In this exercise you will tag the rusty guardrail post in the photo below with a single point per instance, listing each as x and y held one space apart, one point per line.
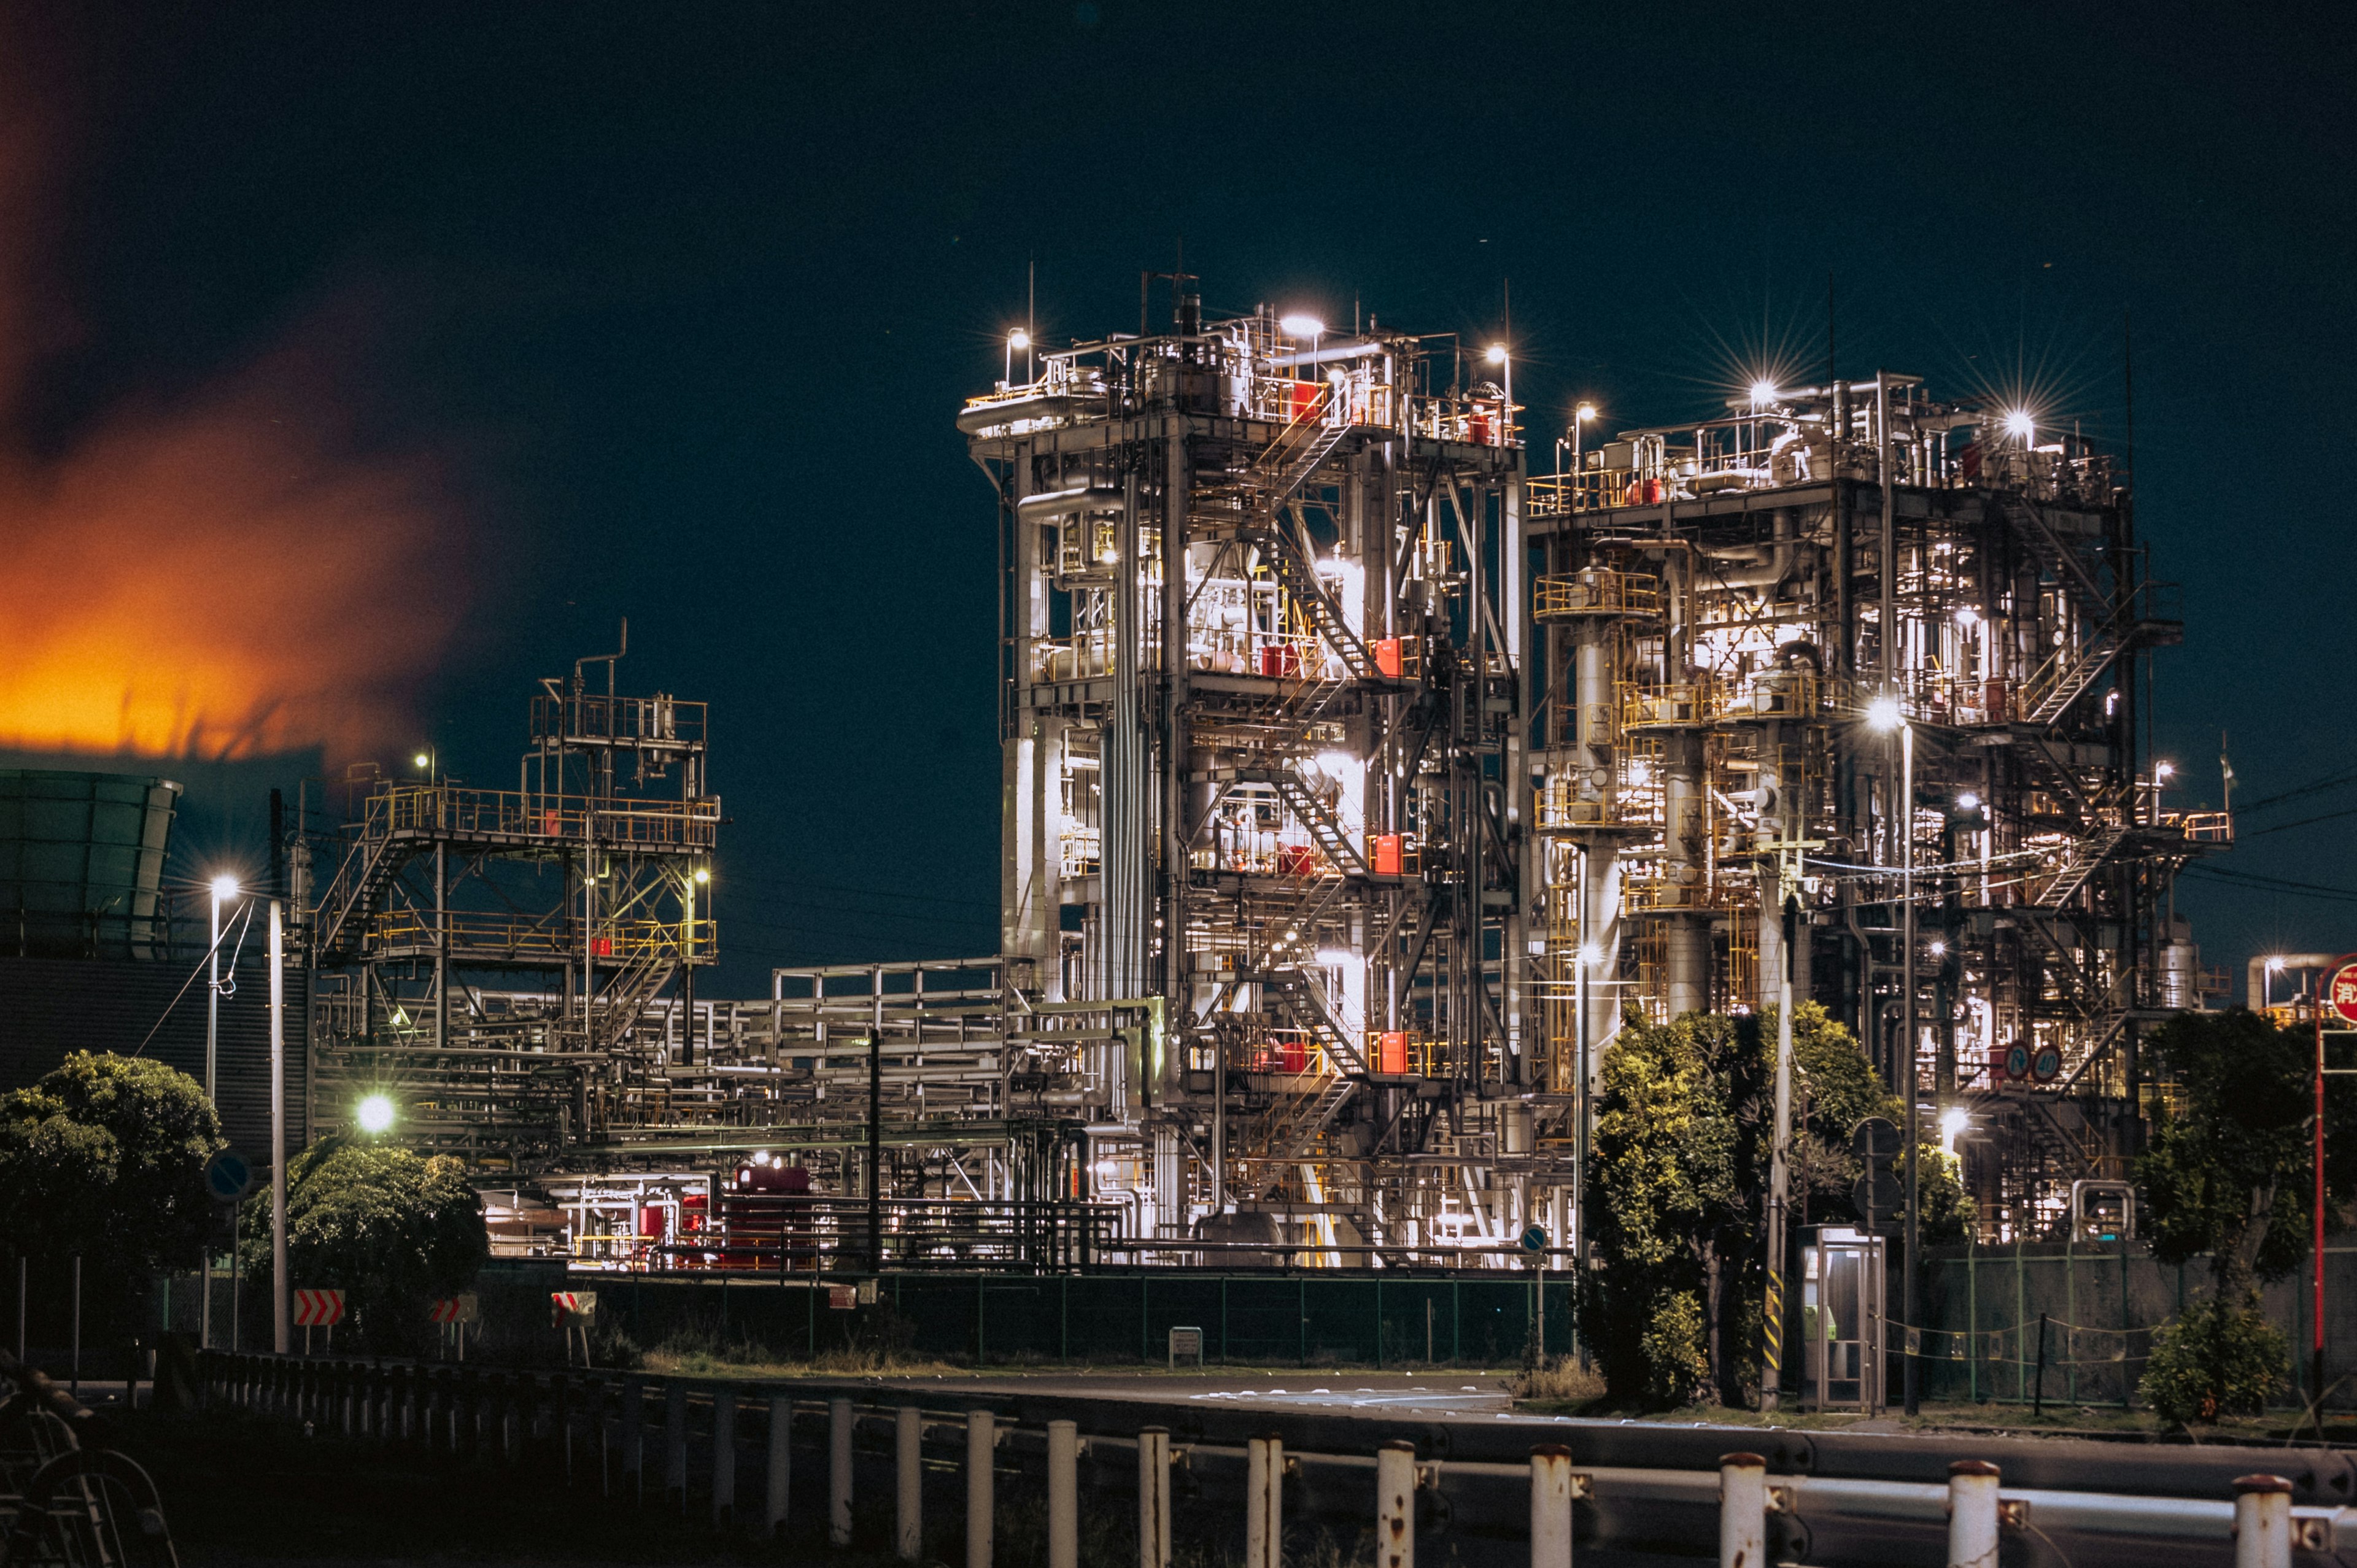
1396 1505
1063 1494
1972 1514
2262 1523
1154 1496
675 1445
1742 1510
981 1456
1551 1494
838 1472
724 1458
781 1462
908 1474
1263 1500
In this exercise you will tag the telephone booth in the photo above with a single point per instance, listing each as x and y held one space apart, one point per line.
1841 1318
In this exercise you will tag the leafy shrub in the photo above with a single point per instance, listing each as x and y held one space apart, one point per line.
2221 1356
1560 1381
1677 1359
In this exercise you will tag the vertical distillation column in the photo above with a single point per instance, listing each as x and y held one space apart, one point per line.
1030 754
1685 978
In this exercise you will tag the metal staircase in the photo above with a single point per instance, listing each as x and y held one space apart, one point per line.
1302 803
2088 855
1296 573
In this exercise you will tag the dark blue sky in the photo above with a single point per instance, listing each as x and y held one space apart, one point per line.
684 297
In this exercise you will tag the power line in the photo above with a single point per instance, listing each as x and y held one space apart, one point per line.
2304 821
2271 885
2344 778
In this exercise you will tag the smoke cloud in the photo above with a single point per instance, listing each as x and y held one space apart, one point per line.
223 576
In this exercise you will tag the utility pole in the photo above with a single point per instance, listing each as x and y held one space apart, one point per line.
281 1324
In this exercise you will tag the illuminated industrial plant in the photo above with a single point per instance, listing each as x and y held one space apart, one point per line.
1359 784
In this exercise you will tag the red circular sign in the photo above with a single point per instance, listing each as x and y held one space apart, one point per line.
2340 990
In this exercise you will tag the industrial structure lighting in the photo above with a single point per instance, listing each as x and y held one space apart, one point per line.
1496 354
1584 413
2020 425
375 1113
1762 393
702 874
2164 770
1019 339
423 759
1885 715
225 886
1302 324
1590 953
1968 802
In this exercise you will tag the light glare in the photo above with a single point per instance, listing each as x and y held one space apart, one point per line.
225 886
1019 339
376 1114
2019 425
1764 392
1496 354
1301 323
1885 715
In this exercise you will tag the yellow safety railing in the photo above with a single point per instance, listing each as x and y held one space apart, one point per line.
441 809
1781 694
1599 590
1679 702
518 937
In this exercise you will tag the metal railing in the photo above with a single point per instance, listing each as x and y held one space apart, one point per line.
1501 1491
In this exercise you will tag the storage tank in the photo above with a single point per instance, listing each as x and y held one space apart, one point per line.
82 862
2180 967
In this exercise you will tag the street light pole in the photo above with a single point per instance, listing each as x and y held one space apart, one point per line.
281 1325
1907 1022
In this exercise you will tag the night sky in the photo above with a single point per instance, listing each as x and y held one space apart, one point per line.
676 305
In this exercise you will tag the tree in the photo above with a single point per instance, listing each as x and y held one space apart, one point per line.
106 1157
1677 1190
2229 1175
392 1230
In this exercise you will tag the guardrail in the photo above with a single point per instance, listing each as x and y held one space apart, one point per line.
727 1451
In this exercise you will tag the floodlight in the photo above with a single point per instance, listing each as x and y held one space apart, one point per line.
1496 354
225 886
1939 949
2020 425
1019 339
2164 769
1968 802
1954 1120
702 874
375 1113
1885 715
1590 953
1764 392
1301 323
2275 963
1584 413
760 1156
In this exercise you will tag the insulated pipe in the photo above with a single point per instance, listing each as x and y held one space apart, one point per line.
981 1442
2256 977
1395 1506
2262 1523
1742 1510
1779 567
909 1466
1972 1514
1061 503
1550 1506
1263 1501
1063 1494
838 1472
1154 1496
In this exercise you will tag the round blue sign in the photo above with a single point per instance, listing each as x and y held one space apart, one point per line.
1534 1240
2017 1061
228 1176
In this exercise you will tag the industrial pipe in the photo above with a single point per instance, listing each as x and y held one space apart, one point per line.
1061 503
2255 980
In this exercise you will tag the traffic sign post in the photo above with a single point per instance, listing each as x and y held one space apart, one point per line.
317 1309
228 1177
574 1310
2337 995
450 1315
